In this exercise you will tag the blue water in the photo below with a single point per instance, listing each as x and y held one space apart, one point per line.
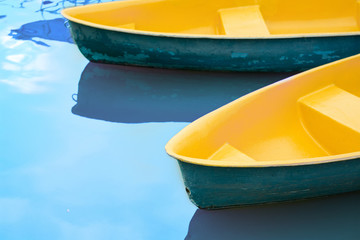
82 145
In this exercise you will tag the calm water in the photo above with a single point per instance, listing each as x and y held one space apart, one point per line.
82 145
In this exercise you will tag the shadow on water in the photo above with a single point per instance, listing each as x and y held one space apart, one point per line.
53 29
331 218
135 94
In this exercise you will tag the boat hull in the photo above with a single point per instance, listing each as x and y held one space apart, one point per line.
201 53
213 187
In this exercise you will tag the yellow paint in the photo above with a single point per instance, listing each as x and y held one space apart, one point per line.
310 118
243 21
128 26
358 12
333 113
229 153
227 18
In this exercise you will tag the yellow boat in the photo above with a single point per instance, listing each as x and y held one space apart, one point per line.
297 138
231 35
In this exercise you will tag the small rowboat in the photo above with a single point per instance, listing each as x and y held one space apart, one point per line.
297 138
224 35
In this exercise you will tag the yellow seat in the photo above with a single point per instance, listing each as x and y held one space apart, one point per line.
228 153
243 21
332 116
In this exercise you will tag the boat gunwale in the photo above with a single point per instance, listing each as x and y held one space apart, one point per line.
273 163
262 164
65 14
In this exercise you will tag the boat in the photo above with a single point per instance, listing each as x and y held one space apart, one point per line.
131 94
297 138
244 35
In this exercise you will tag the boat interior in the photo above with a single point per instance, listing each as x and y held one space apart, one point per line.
234 18
315 114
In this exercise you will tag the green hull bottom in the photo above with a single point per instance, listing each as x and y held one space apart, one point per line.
274 55
223 187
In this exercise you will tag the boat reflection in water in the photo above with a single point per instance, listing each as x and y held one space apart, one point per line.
331 218
135 94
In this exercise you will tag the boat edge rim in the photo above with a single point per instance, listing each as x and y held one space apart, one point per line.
195 36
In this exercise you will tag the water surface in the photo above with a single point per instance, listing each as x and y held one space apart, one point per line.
82 144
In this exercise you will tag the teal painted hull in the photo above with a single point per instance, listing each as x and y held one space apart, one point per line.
223 187
224 54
